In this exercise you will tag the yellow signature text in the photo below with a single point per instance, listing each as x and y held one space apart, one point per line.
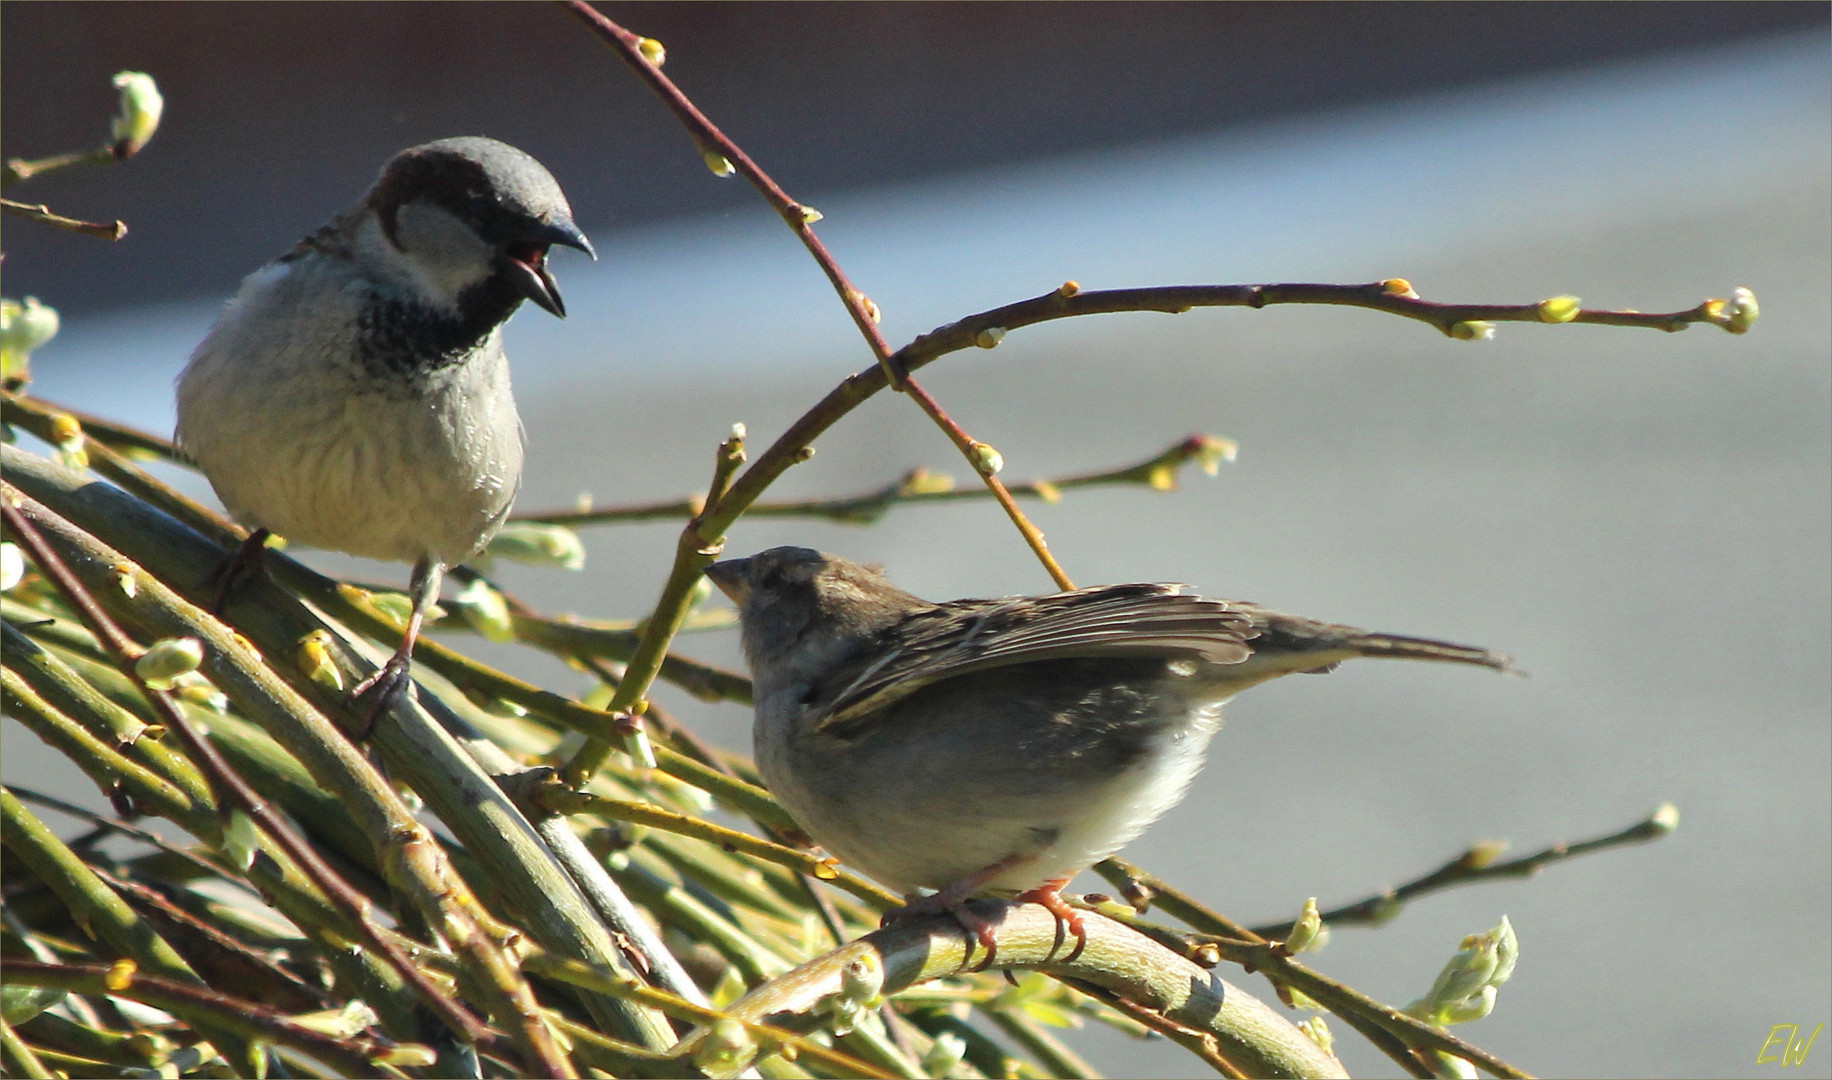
1792 1049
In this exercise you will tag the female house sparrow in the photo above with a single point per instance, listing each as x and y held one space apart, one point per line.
355 395
1003 745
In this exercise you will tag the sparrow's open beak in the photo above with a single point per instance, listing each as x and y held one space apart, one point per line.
730 577
527 263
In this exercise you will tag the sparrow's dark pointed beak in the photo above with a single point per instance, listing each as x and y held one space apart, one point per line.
730 577
566 234
527 263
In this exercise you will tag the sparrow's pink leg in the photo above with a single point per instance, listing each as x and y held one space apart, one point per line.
952 901
1049 894
392 678
243 562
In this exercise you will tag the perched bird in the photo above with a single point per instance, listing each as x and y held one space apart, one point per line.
1000 746
354 395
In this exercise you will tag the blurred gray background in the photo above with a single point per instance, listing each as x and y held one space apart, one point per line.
1641 519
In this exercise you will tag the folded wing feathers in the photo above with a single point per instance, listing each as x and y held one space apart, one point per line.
1113 620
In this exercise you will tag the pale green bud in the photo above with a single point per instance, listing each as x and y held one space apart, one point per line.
241 840
725 1048
652 51
716 162
1474 1007
1467 972
138 118
486 610
948 1051
636 744
1665 817
1308 933
872 314
540 545
1301 1001
729 988
989 337
314 659
1451 1067
167 659
1211 452
393 606
407 1056
1319 1033
1743 311
339 1023
67 435
12 566
1465 990
862 981
861 986
985 459
194 688
1507 951
807 215
1559 309
24 326
924 482
1473 330
120 975
1483 853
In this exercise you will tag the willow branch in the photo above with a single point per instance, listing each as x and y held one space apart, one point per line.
1478 864
18 169
1238 944
713 142
918 486
415 747
41 213
229 787
21 1060
354 1055
560 799
1245 1031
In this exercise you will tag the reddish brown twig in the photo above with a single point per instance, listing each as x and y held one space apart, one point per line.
864 314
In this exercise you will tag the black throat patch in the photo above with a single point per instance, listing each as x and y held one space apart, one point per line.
403 338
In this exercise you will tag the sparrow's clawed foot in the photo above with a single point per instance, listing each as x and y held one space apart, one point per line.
248 560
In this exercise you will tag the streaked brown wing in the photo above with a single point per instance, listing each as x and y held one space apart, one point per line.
969 636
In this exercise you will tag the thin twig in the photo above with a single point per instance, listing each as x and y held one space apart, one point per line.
1478 864
1068 302
1240 945
916 950
559 799
41 213
864 314
18 169
355 1054
1158 472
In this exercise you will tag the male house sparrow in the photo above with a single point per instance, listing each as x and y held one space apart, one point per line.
355 395
1000 746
